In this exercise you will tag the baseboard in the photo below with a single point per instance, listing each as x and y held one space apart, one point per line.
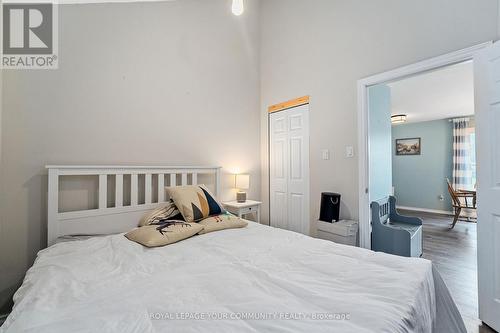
425 210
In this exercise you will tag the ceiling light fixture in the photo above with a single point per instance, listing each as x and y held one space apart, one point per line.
238 7
398 119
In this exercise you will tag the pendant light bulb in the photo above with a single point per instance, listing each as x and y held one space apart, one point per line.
238 8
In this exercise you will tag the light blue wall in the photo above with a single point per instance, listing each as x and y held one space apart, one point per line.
379 101
419 180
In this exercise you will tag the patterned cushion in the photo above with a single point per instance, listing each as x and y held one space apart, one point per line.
167 232
166 212
195 202
221 222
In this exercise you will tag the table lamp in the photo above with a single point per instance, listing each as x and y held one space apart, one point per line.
242 182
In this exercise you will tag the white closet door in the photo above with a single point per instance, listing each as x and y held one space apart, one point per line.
279 170
289 164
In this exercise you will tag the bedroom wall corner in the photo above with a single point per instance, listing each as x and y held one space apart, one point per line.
185 93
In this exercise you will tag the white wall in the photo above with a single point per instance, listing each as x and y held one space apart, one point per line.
322 47
151 83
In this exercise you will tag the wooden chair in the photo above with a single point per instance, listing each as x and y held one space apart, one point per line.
458 204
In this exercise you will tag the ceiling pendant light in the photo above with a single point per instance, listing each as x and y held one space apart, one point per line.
398 119
238 8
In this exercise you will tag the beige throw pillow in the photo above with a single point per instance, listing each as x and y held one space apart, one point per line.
195 202
163 234
221 222
166 212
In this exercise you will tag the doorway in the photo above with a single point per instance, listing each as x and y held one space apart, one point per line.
366 178
364 122
422 132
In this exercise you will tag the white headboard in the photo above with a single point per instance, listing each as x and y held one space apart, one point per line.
120 218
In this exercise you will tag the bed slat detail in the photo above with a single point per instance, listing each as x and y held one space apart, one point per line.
105 220
147 188
119 191
103 191
161 189
134 188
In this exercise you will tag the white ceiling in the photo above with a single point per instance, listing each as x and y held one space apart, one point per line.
444 93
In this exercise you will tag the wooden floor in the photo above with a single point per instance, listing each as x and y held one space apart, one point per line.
454 253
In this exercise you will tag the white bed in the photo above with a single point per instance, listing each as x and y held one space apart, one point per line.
255 279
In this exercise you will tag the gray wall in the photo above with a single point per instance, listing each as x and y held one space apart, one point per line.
419 180
379 103
323 47
139 83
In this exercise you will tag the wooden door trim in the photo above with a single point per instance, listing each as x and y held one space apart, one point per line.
289 104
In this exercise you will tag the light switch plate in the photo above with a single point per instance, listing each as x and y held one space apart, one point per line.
349 151
325 154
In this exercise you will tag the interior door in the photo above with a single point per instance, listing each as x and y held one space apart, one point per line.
487 96
278 170
289 169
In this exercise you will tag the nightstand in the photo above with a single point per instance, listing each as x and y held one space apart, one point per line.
243 208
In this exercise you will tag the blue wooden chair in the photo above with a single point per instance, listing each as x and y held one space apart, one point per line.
393 233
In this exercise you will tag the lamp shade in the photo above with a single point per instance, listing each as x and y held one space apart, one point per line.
242 182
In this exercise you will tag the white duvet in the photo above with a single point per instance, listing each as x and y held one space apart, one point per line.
256 279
